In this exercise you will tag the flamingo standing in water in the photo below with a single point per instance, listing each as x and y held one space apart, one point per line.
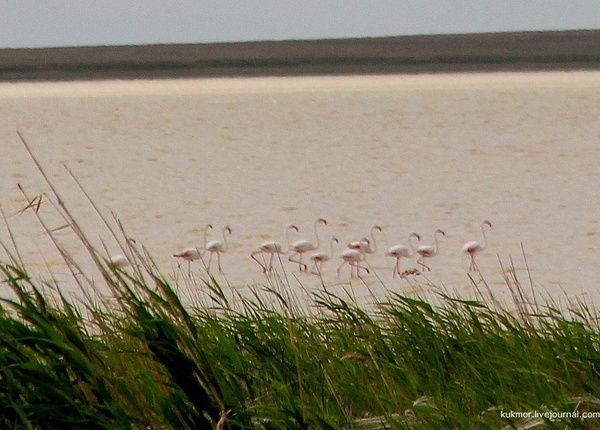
353 257
364 245
189 255
428 251
402 251
473 247
320 257
217 247
271 248
301 246
192 253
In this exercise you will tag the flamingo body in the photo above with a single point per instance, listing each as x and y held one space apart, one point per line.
398 251
215 246
271 248
300 247
473 247
319 258
218 246
428 251
352 257
189 254
402 251
364 245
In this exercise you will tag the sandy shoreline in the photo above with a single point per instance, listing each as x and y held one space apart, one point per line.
557 50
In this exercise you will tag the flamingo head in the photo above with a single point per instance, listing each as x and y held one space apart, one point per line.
292 227
440 231
361 244
486 222
322 221
227 229
416 236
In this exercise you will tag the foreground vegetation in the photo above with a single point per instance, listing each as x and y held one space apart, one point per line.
146 361
141 359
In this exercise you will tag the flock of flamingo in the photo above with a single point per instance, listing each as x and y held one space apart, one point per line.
354 255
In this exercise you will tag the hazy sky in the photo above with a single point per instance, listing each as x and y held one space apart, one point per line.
40 23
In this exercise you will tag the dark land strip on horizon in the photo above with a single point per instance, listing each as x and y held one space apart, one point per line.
520 51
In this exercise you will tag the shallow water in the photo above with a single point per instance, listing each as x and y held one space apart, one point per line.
410 153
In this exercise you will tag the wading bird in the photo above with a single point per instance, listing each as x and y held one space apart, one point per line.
473 247
320 257
428 251
192 253
217 247
365 245
402 251
301 246
352 257
271 248
189 255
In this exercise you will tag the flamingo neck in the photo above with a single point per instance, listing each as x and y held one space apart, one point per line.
316 234
483 234
331 248
206 228
225 246
374 248
411 244
437 242
287 236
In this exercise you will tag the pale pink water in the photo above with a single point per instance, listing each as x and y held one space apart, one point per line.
410 153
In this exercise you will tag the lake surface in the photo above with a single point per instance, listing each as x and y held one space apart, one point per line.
409 153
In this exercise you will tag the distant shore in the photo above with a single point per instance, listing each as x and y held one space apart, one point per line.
556 50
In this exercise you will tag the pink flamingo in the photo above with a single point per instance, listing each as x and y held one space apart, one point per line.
352 257
473 247
302 246
217 247
428 251
271 248
320 257
402 251
192 253
189 255
364 245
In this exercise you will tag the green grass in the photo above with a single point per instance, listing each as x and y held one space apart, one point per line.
147 361
144 360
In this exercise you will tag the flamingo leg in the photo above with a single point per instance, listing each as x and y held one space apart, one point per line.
353 271
473 265
339 268
358 267
270 267
396 270
317 268
421 262
209 262
301 265
264 268
219 262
